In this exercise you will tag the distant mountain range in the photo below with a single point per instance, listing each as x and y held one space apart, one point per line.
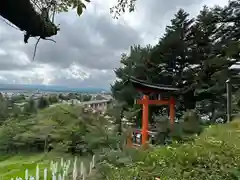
48 88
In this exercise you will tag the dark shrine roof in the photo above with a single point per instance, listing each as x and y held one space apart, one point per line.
141 84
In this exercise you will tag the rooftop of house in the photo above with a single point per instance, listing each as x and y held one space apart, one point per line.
140 84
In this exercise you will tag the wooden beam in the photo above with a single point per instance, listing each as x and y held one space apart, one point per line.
153 102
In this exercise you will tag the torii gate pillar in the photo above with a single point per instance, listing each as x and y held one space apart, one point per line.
147 88
145 113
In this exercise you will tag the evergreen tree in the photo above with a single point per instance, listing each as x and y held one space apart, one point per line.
134 64
16 111
219 52
1 96
30 107
53 99
166 63
43 102
3 110
172 60
195 55
61 97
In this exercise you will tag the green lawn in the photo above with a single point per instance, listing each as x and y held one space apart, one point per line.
14 166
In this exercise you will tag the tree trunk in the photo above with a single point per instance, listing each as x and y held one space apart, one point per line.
120 122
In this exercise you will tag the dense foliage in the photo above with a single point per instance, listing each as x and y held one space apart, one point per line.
213 155
193 54
62 127
196 55
43 124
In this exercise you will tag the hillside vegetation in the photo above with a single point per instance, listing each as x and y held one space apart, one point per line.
194 54
214 155
51 133
63 128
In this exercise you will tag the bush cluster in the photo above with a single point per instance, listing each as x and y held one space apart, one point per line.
214 155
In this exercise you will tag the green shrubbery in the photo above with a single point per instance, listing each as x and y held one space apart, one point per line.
63 128
214 155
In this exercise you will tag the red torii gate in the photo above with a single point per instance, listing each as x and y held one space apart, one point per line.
147 89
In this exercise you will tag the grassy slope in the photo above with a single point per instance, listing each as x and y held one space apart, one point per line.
14 166
215 155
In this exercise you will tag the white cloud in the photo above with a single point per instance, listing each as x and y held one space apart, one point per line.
89 47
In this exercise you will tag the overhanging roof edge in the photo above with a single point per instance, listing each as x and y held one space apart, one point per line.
153 86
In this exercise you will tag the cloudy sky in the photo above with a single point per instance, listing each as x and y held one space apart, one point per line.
89 47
